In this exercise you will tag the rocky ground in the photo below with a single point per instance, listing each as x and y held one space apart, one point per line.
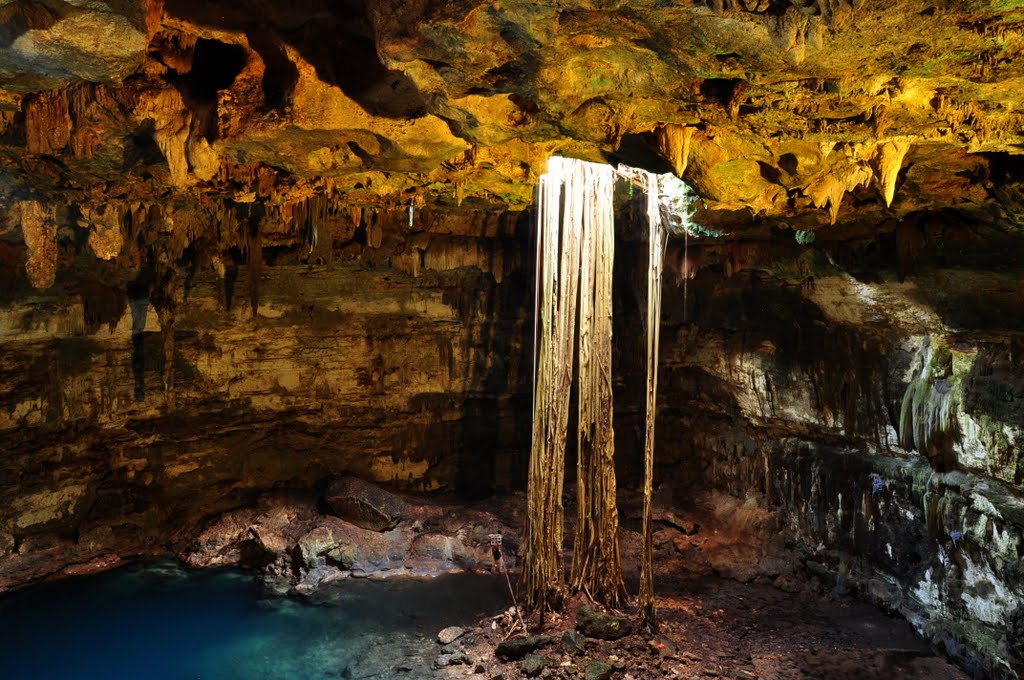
710 628
731 605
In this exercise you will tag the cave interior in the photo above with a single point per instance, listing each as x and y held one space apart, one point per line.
269 300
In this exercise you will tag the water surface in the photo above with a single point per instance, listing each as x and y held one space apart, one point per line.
161 622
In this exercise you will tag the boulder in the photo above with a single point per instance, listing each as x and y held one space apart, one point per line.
282 519
517 648
573 643
364 504
595 624
253 535
441 548
450 635
222 541
320 576
532 666
337 542
596 670
322 543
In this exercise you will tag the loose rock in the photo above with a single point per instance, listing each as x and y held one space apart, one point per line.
663 646
517 648
598 671
532 666
573 643
450 635
595 624
460 658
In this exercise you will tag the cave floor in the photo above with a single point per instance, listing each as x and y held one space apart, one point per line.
733 602
716 627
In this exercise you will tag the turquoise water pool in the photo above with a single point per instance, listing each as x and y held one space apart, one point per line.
161 622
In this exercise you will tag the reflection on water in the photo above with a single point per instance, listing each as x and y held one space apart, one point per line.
161 622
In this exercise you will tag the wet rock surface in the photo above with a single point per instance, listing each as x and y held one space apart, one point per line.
301 550
905 491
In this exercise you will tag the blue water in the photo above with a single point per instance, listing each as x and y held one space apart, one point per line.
164 623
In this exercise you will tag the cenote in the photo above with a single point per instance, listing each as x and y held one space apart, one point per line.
331 300
163 622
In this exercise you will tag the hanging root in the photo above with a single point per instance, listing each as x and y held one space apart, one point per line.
576 242
656 239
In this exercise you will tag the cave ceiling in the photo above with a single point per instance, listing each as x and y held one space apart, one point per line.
782 114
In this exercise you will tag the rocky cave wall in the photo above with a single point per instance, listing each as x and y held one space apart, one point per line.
874 403
404 360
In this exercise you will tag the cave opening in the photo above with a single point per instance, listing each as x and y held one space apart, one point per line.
215 65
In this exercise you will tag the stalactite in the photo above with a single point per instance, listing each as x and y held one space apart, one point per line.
255 266
47 122
374 230
172 123
40 234
104 225
888 160
355 214
674 144
928 412
828 189
86 135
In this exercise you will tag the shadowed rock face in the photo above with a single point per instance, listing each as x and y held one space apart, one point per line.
878 418
130 414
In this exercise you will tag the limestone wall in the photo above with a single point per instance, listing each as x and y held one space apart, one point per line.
415 379
879 419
